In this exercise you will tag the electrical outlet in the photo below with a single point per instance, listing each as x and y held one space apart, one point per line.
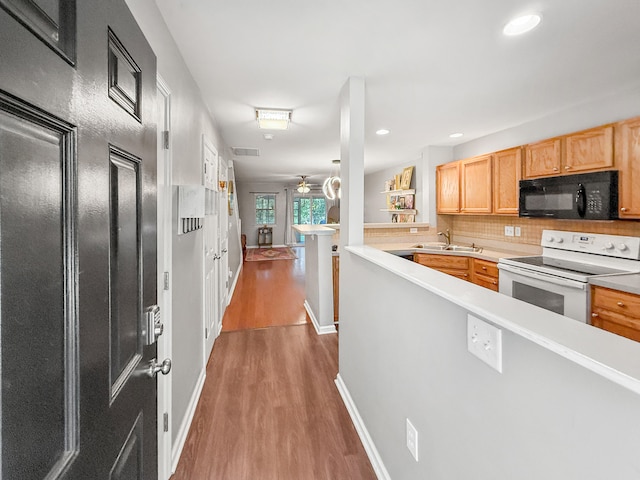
412 439
508 231
485 342
518 231
413 230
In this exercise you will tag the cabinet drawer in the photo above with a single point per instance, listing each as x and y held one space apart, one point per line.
463 274
626 304
441 261
485 281
612 322
484 267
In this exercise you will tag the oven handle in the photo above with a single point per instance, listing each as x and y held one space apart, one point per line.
543 277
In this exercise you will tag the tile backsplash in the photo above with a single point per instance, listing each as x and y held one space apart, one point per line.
488 230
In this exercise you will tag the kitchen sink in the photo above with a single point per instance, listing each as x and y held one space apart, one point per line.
441 246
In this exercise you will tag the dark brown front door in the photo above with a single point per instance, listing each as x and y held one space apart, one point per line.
77 241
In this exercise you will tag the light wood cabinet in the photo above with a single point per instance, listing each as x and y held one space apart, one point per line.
507 172
448 188
589 150
475 185
615 311
485 274
627 152
543 159
450 264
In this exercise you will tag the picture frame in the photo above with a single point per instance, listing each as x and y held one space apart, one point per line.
405 181
408 202
230 197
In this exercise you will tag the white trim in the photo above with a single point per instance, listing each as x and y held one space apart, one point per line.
363 433
320 330
272 246
233 285
186 422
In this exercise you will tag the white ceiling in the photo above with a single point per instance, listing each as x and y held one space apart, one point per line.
431 68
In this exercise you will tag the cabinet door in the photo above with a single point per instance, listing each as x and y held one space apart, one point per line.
543 158
507 172
627 137
475 184
448 188
589 150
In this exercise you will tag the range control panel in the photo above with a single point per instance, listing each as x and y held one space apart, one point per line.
600 244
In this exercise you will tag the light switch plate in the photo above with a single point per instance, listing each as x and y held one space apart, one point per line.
485 342
518 232
508 231
413 230
412 439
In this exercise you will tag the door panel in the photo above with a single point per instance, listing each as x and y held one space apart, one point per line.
77 237
125 261
37 291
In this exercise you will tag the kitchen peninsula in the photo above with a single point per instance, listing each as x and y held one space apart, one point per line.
319 300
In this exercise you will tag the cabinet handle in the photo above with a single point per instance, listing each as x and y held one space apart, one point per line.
623 209
594 315
568 167
555 169
484 268
620 304
495 282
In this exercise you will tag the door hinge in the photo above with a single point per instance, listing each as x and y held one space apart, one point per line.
165 139
166 422
166 280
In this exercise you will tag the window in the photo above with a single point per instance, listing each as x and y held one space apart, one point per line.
265 209
309 210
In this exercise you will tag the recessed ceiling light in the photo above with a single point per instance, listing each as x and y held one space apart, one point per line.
268 136
456 135
382 131
522 24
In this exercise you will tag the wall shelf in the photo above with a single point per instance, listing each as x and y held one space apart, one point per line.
394 210
401 192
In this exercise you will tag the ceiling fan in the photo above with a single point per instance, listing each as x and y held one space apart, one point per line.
303 185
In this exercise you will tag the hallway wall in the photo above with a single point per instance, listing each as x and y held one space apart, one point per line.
190 119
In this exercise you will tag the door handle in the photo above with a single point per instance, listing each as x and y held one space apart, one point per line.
153 325
224 250
155 367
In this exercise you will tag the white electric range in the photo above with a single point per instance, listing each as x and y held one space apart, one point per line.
559 279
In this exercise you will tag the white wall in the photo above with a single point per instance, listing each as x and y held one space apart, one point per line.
190 119
403 354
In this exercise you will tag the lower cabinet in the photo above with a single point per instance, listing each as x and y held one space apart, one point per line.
456 266
615 311
485 274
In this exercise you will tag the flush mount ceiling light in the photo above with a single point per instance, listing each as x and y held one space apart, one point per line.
382 131
522 24
456 135
273 119
268 136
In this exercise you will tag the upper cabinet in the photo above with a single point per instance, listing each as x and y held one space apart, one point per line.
475 185
627 135
543 158
507 172
587 151
448 188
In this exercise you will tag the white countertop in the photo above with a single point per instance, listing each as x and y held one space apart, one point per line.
610 356
314 230
485 254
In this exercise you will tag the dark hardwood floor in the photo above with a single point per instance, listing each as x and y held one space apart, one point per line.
269 408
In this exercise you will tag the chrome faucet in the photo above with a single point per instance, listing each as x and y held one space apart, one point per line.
447 236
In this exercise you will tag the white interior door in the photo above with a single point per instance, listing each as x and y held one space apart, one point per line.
223 273
212 252
164 275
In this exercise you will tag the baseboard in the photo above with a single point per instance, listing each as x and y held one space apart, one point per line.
233 285
176 450
365 438
320 330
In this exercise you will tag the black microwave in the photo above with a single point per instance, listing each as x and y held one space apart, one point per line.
588 196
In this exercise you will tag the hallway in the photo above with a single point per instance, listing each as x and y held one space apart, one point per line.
269 407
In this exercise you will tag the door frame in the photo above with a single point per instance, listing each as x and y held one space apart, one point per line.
165 255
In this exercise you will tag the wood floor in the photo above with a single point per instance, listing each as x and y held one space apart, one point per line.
268 293
269 408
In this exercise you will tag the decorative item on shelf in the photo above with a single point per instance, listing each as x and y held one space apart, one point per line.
223 184
405 182
396 182
394 218
408 202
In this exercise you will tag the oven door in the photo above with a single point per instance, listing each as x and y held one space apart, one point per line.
560 295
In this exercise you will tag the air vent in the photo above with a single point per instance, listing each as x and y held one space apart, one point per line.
245 152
